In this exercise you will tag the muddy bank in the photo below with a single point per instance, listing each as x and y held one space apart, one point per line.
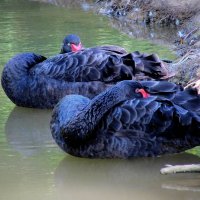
162 12
166 22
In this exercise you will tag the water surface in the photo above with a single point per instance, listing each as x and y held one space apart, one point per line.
31 164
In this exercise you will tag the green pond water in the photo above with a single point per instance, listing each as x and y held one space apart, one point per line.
31 164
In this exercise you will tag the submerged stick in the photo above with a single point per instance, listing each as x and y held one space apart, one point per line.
181 188
170 169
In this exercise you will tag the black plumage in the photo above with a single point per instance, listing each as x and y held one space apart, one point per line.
121 123
31 80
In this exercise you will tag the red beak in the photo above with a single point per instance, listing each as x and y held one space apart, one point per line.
76 48
144 93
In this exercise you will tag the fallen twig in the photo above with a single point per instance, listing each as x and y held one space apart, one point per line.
170 169
181 188
190 33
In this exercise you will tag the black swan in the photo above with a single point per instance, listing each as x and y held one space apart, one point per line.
130 119
31 80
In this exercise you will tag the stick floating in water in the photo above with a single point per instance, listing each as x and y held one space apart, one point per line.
170 169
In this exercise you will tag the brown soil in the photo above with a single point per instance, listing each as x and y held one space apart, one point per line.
165 12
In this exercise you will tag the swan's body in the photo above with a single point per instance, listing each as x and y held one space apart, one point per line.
121 123
31 80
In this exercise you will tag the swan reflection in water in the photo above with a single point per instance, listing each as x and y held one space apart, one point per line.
140 178
27 130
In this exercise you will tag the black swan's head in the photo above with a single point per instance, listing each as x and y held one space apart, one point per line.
132 89
71 43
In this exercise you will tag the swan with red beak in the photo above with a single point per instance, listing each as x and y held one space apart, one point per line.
31 80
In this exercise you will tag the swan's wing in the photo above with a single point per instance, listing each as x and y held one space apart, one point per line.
159 87
87 65
133 114
151 127
113 49
188 99
147 65
100 64
125 128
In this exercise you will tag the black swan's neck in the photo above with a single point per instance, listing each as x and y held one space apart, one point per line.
16 73
82 125
20 64
17 68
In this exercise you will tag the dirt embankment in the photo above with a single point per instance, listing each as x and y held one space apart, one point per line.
163 12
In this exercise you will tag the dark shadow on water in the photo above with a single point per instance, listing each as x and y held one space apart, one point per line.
27 130
117 179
